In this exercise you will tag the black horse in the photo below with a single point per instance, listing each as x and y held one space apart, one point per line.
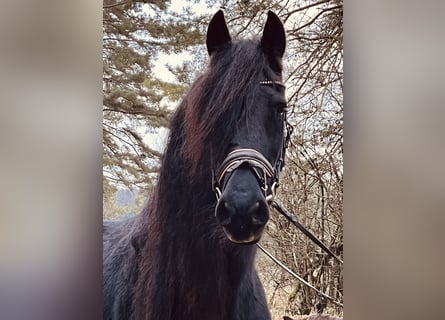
190 253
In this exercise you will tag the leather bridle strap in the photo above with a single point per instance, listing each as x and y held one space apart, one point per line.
254 160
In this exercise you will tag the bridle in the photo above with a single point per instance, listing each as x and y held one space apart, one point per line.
266 173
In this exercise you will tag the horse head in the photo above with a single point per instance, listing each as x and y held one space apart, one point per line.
245 180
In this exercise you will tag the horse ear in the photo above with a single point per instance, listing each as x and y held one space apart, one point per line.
217 33
273 41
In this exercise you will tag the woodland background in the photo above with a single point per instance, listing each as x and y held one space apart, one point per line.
138 102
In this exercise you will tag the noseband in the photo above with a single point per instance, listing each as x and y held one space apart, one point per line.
266 173
253 159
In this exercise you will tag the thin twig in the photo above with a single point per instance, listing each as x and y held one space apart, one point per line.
115 4
298 277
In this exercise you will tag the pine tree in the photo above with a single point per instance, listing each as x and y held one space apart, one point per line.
135 101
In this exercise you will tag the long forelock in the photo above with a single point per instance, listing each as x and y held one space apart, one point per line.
232 74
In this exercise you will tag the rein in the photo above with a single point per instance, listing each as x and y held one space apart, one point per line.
306 232
292 218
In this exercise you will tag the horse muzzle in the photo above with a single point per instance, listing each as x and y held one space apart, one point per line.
242 209
244 186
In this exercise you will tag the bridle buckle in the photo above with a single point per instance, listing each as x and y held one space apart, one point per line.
273 192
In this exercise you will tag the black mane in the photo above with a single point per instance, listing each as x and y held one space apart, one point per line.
183 204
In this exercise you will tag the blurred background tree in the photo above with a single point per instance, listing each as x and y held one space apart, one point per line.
138 103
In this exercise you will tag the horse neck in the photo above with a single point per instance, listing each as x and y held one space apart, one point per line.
185 208
190 268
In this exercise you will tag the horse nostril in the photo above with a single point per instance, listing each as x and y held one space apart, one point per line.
253 208
224 212
259 213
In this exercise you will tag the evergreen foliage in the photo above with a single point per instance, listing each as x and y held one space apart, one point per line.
135 101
